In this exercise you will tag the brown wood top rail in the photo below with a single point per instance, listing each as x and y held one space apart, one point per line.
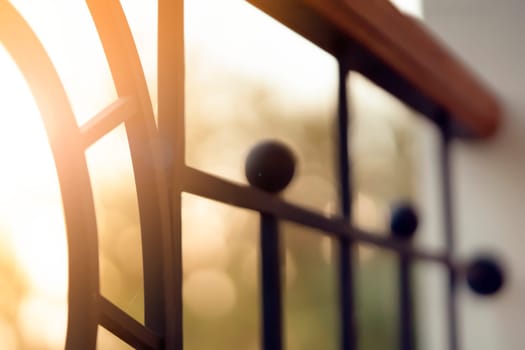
398 53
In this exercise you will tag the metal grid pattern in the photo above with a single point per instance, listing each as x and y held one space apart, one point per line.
162 176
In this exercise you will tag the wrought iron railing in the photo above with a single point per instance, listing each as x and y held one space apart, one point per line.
392 50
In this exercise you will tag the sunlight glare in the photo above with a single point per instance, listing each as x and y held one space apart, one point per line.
239 38
39 243
68 34
31 209
20 135
41 250
43 322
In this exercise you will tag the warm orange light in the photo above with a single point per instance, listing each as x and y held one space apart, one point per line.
31 218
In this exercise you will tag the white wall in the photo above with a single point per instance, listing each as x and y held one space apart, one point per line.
489 177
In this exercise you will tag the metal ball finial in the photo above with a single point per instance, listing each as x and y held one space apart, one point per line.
485 276
270 166
403 221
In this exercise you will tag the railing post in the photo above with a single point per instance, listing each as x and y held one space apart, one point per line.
270 167
446 186
403 225
271 283
346 246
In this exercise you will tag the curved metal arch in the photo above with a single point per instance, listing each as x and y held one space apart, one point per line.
65 141
160 242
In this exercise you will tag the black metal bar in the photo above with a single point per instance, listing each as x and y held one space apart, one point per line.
271 284
406 312
348 331
346 296
446 184
127 328
171 127
208 186
124 62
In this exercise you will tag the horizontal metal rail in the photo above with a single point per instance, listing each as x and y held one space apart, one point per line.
205 185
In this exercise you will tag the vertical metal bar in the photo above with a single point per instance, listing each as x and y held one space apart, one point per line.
346 278
171 80
446 184
406 313
271 283
158 246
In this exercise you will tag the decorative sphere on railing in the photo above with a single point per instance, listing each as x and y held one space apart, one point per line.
403 221
485 276
270 166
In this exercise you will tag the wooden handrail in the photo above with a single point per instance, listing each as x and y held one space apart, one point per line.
398 53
